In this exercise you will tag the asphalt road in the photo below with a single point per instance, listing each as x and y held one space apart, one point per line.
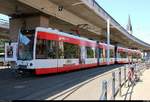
41 87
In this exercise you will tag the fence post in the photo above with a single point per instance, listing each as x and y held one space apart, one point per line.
120 81
113 86
125 77
104 91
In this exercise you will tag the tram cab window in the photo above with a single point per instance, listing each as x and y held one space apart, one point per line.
46 49
25 45
71 51
90 52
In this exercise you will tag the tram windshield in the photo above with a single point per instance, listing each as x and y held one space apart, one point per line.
26 43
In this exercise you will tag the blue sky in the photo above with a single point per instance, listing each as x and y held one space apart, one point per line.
138 11
120 9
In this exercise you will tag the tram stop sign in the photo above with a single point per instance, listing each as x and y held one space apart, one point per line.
10 52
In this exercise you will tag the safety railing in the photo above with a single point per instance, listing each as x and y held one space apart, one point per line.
113 82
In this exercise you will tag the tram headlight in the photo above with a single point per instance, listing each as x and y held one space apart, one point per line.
31 64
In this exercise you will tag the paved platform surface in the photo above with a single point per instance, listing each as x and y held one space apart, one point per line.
139 91
91 91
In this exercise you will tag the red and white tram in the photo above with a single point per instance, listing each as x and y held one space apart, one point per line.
139 54
136 56
45 51
122 55
52 51
103 54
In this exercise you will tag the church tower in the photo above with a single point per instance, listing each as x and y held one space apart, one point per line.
129 25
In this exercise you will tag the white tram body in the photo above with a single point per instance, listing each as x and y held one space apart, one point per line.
139 54
122 55
136 56
45 50
52 51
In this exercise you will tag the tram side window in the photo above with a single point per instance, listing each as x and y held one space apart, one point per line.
134 56
46 49
139 56
71 51
106 53
51 48
123 54
90 52
112 53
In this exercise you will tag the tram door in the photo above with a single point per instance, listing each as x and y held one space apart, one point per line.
129 57
99 52
83 56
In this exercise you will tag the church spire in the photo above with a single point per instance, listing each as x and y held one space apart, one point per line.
129 25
